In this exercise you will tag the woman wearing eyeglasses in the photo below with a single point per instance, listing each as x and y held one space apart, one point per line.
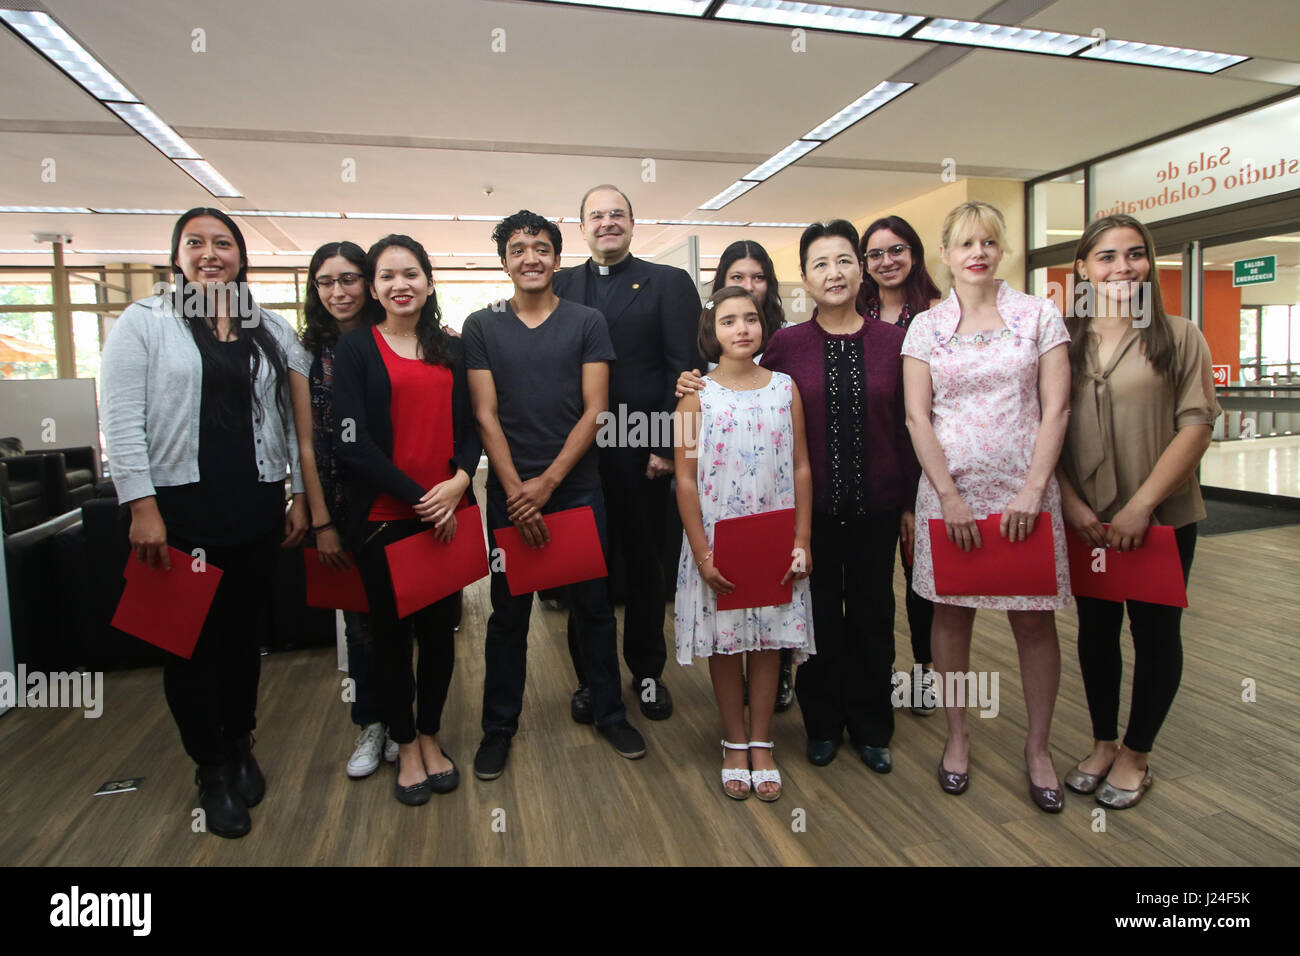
337 302
896 287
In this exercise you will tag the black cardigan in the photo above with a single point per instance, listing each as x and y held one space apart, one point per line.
363 394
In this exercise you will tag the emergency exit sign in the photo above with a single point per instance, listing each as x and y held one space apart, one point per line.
1253 271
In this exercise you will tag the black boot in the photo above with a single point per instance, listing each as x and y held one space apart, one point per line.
785 684
248 775
225 811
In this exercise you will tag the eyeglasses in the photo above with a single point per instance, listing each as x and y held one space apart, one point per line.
894 252
348 280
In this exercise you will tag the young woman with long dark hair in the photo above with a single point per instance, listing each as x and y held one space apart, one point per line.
1142 409
896 287
200 437
405 431
338 300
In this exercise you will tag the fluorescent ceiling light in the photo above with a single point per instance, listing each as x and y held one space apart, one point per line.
278 214
480 218
1065 232
734 191
647 222
573 219
290 252
119 252
689 8
818 16
699 222
137 212
24 252
867 103
149 125
781 160
1279 239
1153 54
781 225
1000 37
401 215
43 209
207 177
58 46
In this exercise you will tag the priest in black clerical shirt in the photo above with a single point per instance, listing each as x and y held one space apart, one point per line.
653 313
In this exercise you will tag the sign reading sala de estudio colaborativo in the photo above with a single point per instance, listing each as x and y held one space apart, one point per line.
1254 271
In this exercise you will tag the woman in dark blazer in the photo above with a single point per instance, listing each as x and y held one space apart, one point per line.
405 431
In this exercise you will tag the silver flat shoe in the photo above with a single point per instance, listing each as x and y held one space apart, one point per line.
1082 782
1113 797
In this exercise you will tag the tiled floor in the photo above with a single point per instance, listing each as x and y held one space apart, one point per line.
1268 465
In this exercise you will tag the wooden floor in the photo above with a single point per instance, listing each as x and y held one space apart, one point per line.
1227 787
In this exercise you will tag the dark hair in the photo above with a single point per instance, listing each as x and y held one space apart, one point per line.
825 230
435 344
919 289
529 222
707 337
582 206
772 312
231 366
1157 339
320 328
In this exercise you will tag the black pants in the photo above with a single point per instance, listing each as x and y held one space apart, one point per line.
506 647
637 518
848 682
1157 659
920 616
213 695
432 628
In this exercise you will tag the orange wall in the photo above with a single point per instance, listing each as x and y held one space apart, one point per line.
1222 309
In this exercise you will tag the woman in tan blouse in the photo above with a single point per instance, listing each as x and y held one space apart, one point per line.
1141 410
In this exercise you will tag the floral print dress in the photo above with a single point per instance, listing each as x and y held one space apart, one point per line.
985 410
745 467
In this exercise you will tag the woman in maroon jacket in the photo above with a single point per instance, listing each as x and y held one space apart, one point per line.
848 368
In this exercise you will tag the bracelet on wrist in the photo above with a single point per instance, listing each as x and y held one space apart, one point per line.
700 563
317 528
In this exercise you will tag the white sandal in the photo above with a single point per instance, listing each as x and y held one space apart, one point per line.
729 775
765 776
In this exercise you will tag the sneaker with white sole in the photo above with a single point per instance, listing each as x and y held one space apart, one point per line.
365 759
390 749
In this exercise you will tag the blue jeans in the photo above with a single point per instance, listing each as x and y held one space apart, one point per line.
506 647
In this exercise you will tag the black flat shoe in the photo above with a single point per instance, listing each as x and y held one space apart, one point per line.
447 781
660 705
224 810
248 775
878 759
953 783
822 752
580 705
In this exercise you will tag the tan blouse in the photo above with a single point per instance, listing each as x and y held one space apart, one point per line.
1124 416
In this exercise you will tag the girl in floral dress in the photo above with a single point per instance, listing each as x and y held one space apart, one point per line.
742 453
987 381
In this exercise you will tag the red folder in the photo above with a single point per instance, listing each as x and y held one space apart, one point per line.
1153 573
754 553
330 587
425 570
572 555
999 567
167 608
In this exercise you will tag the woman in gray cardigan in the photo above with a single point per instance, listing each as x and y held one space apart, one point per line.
195 399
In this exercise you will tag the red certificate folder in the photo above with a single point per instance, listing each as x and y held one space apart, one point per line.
167 608
425 570
572 555
330 587
999 567
1153 573
754 553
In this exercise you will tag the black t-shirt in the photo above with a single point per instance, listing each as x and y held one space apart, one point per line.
228 505
538 376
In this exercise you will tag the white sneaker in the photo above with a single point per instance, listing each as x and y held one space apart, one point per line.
365 759
390 749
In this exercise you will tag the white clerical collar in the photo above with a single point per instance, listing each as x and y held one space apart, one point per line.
602 270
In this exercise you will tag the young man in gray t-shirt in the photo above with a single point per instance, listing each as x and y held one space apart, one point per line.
538 370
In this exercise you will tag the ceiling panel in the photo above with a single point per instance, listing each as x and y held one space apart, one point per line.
30 88
1036 112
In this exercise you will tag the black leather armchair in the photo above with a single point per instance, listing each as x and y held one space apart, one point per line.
25 491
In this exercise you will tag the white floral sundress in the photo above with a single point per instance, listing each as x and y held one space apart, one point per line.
745 467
